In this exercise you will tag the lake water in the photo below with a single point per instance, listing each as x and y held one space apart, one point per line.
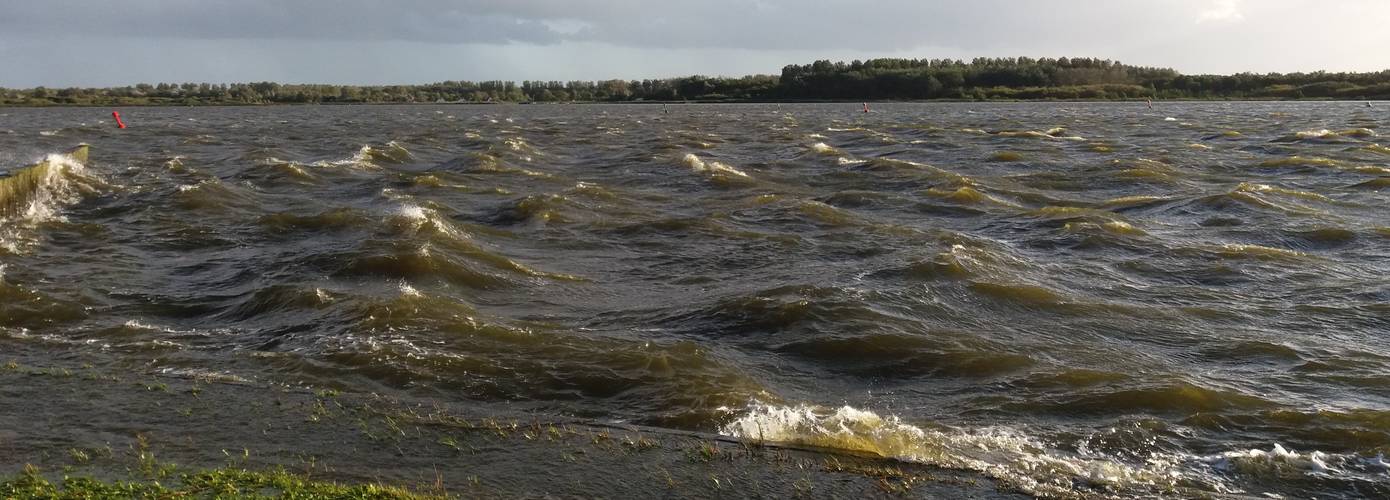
1079 298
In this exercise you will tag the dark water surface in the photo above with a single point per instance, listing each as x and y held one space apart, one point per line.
1094 298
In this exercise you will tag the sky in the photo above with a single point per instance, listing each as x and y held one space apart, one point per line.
62 43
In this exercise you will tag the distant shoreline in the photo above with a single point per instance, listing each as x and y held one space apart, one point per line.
747 101
876 80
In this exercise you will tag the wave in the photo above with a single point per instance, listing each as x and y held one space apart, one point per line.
38 193
369 156
1248 187
1014 457
825 149
1326 135
476 357
1256 252
536 209
1266 197
717 171
1112 227
1036 466
966 195
1053 134
288 169
391 152
974 261
1124 202
1144 169
417 222
1302 161
1006 156
1376 184
214 195
419 263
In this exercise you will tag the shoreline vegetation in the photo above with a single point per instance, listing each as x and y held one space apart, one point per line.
981 79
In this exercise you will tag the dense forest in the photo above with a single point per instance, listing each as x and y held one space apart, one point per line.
875 79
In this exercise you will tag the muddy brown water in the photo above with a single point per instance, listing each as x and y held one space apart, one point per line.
1095 298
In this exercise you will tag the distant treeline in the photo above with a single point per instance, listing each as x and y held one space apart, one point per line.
980 79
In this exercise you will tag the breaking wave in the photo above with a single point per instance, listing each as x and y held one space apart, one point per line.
1034 464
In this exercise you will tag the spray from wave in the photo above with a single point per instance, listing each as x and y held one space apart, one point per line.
36 194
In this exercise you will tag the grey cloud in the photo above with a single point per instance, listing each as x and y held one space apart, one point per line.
408 20
746 24
62 42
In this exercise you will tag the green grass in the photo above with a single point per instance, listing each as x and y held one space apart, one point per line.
215 483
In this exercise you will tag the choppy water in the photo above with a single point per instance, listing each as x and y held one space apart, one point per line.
1093 298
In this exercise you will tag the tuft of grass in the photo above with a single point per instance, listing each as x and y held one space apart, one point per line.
707 452
640 442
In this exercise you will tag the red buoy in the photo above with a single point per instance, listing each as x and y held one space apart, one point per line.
117 116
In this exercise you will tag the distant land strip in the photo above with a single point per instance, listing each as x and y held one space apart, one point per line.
981 79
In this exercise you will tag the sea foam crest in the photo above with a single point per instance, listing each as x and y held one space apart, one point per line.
60 184
712 167
1002 453
1024 460
38 194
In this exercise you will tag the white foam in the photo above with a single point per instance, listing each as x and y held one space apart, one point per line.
713 167
1315 134
63 183
137 325
1276 458
412 212
205 375
516 143
999 452
1027 461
